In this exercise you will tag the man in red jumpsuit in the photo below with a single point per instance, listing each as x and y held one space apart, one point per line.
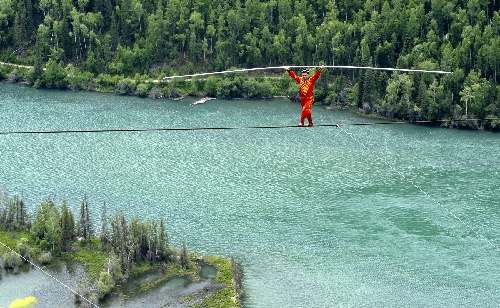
306 89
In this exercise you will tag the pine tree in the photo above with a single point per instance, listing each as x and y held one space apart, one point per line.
122 243
20 30
67 227
38 67
10 215
85 228
184 258
119 238
19 214
162 241
89 227
104 229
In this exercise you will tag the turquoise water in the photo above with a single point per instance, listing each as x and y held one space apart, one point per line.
318 217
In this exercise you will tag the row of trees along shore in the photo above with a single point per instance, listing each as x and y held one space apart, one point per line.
110 257
126 45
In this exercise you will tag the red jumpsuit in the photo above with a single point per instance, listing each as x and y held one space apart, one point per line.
306 89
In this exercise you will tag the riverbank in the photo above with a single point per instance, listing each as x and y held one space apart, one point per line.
153 85
234 85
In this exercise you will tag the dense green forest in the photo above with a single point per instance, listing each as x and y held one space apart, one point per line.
115 252
124 45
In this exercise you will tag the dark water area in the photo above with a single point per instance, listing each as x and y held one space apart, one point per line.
174 292
51 289
356 216
208 271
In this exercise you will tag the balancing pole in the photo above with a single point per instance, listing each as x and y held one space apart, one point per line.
310 66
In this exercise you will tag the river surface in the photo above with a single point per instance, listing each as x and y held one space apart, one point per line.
356 216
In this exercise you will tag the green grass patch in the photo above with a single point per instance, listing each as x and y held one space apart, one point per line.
225 297
11 241
223 266
93 261
145 267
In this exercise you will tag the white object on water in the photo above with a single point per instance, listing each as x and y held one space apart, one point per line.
203 100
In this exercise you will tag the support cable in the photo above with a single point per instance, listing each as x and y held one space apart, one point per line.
418 187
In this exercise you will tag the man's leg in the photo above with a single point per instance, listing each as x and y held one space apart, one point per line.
302 118
306 114
309 119
309 113
303 114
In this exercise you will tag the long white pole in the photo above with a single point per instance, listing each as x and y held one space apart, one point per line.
309 66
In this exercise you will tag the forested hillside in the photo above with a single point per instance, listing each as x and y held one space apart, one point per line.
85 44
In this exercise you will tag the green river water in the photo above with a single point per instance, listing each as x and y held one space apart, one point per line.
356 216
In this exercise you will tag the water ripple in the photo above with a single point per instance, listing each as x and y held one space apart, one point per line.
314 216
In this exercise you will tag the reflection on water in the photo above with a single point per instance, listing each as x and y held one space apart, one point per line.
134 283
174 283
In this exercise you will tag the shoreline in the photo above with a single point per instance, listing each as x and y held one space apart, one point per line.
173 90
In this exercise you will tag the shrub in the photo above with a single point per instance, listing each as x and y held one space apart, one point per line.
54 75
224 89
197 87
155 92
45 258
14 76
256 89
142 90
125 87
172 92
210 87
11 260
105 284
86 292
107 83
78 80
23 249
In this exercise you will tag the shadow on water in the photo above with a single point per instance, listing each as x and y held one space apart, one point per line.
175 292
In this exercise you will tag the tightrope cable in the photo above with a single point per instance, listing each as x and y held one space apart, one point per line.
418 187
110 130
46 273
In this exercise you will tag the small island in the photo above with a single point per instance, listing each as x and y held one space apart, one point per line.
124 253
